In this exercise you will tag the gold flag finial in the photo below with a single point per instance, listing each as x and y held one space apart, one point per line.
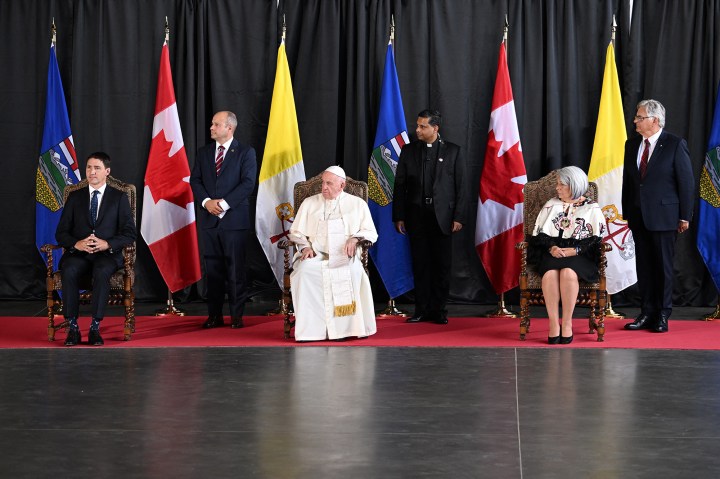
167 30
53 32
392 27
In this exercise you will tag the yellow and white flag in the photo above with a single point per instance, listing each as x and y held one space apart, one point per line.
282 167
606 169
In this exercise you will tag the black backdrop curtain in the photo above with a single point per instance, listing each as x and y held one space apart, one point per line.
223 55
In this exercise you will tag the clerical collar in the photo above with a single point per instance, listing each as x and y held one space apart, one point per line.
430 145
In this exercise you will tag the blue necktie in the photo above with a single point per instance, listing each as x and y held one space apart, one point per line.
94 207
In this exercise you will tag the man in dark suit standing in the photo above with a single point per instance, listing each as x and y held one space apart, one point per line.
94 226
222 180
429 204
657 200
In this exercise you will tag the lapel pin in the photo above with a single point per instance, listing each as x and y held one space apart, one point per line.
440 160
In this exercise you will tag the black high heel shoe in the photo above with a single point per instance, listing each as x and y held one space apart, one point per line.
553 339
566 340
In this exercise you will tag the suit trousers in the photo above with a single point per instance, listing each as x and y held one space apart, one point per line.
431 251
654 253
224 254
75 267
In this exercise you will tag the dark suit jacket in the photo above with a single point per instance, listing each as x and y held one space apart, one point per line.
235 184
667 193
449 196
115 223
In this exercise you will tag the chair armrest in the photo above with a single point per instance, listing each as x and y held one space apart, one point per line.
365 244
48 248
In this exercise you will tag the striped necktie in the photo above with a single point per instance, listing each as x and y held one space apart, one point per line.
644 159
219 159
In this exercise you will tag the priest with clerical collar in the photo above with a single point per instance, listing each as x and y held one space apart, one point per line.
330 289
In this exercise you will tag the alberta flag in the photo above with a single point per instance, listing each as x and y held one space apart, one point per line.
709 210
57 166
391 253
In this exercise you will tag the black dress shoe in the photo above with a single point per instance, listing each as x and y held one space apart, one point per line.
73 337
642 322
94 338
213 322
554 339
237 323
440 319
662 325
417 318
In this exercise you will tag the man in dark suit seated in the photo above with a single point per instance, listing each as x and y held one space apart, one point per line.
222 180
658 194
94 227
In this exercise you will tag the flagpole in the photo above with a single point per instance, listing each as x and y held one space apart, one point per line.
500 311
609 311
170 309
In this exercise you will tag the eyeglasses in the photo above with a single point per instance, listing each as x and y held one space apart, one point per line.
641 118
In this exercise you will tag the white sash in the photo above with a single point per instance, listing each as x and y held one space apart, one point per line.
338 266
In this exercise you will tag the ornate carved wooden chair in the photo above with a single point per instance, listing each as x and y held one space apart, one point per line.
592 295
121 283
301 191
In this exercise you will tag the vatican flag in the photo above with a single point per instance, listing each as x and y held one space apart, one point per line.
282 167
606 169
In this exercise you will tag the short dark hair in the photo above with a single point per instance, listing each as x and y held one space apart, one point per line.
100 155
434 116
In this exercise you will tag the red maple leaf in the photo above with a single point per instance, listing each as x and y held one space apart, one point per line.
165 173
498 172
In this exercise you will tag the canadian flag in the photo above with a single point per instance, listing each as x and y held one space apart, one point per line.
168 215
500 203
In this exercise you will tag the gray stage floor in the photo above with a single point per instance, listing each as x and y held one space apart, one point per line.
361 412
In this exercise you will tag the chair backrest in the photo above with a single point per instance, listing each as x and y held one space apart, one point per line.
538 192
112 182
313 186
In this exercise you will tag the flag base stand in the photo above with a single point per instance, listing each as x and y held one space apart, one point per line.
714 315
391 310
281 309
500 311
170 309
610 312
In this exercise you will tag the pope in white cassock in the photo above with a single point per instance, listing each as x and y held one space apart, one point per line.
330 289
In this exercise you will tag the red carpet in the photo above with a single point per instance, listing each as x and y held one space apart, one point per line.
30 332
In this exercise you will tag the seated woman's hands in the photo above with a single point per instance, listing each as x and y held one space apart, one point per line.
558 252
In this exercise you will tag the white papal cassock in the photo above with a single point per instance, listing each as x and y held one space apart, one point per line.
314 284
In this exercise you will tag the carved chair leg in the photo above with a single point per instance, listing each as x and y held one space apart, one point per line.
287 325
51 323
524 318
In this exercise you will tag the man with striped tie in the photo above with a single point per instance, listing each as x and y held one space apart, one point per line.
222 180
658 195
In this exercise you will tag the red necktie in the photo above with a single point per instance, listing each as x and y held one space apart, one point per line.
644 159
219 159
